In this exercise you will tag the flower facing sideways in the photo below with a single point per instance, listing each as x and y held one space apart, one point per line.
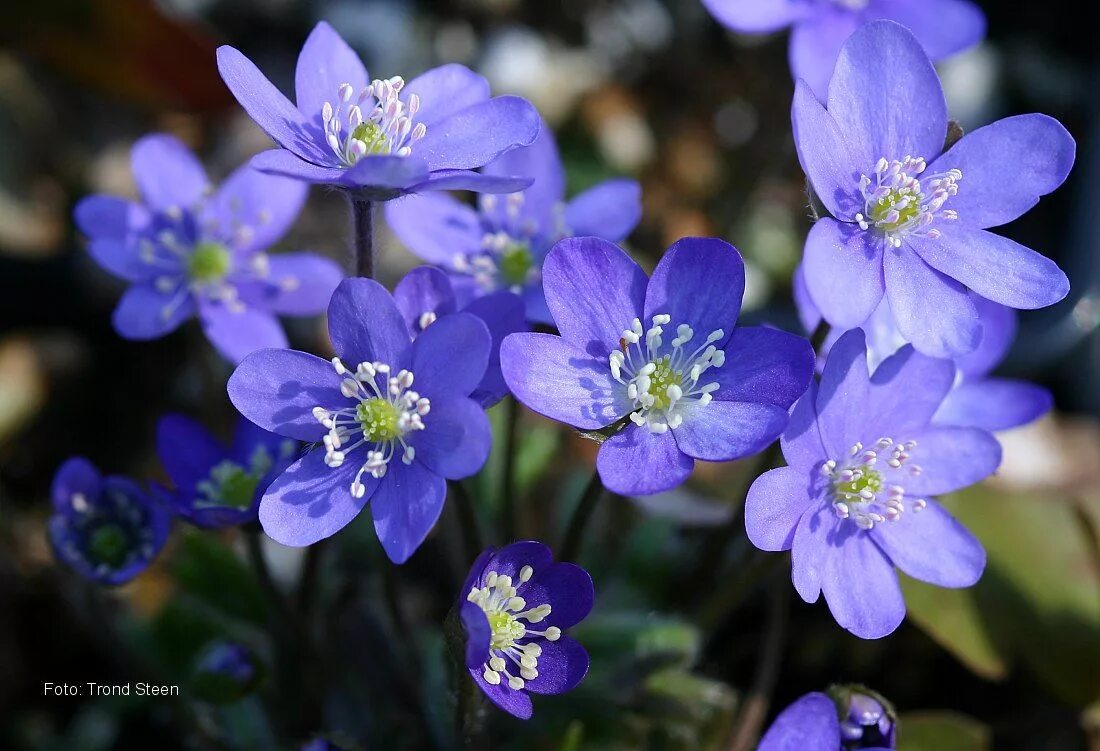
683 385
189 250
381 137
909 220
517 603
854 721
391 418
501 246
856 500
106 528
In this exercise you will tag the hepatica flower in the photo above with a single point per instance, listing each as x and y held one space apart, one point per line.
217 485
659 358
426 294
381 137
517 603
190 250
391 419
908 219
106 528
820 27
856 722
501 245
865 460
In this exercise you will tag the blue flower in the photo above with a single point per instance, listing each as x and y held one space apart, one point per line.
381 137
516 604
692 386
909 220
820 27
105 528
501 246
865 459
382 440
426 294
188 250
816 723
977 399
225 672
215 485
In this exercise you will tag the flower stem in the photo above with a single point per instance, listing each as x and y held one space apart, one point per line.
362 218
467 521
508 475
750 720
574 533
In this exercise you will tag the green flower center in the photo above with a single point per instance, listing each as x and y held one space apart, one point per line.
662 377
906 203
516 262
506 629
378 419
108 545
869 480
208 262
373 136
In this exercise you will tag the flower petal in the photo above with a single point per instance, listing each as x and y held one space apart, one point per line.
998 334
236 333
611 210
890 110
943 27
594 290
722 431
103 217
325 62
271 110
906 390
566 588
123 259
461 179
563 664
478 634
815 46
167 174
764 365
456 439
503 313
930 545
386 173
636 461
510 560
995 267
311 501
843 395
754 16
405 508
860 584
932 311
843 268
450 356
255 208
77 476
823 152
434 226
277 389
186 450
365 324
474 136
446 90
699 281
425 289
951 459
809 548
304 283
810 724
994 404
801 441
557 380
543 199
288 164
774 505
515 703
145 313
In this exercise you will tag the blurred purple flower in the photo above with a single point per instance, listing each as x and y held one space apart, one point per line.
501 246
977 399
106 528
820 27
426 294
383 442
864 458
812 724
710 392
384 138
215 485
909 223
517 604
187 250
225 672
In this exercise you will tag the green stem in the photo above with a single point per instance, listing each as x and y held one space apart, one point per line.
362 218
753 712
574 532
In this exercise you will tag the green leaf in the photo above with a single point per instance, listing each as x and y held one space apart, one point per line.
942 731
211 572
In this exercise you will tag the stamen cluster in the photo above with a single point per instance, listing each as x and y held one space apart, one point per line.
377 123
898 203
858 488
506 258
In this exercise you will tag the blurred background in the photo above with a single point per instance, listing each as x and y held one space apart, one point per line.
652 89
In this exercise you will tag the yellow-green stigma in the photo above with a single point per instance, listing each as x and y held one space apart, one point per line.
506 629
372 136
895 210
515 263
868 481
230 485
660 379
208 262
378 419
108 545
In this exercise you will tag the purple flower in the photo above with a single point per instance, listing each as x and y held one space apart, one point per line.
225 672
703 390
383 441
977 399
426 294
818 723
216 485
105 528
855 501
909 222
517 604
384 138
501 246
189 251
820 27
